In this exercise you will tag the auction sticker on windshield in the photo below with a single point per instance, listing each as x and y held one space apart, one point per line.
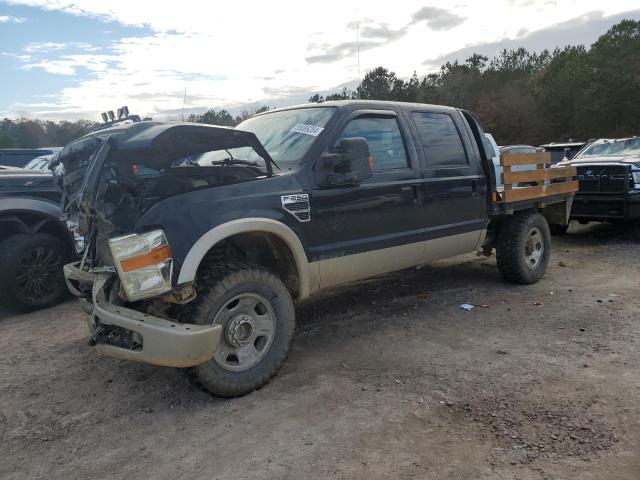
312 130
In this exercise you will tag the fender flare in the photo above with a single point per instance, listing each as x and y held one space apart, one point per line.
17 205
307 275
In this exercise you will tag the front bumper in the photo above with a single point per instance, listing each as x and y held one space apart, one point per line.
605 207
164 342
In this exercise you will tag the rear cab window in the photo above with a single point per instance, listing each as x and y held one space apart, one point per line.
440 138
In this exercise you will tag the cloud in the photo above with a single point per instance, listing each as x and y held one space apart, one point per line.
374 34
381 31
10 19
69 64
437 18
19 57
379 34
582 30
45 47
341 51
239 59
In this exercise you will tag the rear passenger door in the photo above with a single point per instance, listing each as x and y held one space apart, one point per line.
455 186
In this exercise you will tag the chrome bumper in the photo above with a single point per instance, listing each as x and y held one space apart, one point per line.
164 342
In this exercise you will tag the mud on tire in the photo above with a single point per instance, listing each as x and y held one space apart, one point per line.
524 245
257 315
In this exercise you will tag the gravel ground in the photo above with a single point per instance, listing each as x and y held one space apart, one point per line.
386 379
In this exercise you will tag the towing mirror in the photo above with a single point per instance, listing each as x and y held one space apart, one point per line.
349 165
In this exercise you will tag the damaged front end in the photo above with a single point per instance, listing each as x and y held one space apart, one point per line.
125 277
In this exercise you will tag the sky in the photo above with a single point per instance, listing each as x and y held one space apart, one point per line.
66 60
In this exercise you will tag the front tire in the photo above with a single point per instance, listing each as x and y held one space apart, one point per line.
257 315
523 249
31 271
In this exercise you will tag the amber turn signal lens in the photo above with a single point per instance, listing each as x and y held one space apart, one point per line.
370 162
152 258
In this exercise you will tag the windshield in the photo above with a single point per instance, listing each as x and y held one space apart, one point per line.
287 136
38 163
622 147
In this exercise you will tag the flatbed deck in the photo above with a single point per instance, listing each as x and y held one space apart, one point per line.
543 185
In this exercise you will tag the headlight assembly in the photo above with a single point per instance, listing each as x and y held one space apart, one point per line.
144 264
636 179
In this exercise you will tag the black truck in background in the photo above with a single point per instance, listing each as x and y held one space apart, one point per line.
200 239
19 157
609 177
34 242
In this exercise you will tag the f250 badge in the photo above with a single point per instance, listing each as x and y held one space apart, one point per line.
297 205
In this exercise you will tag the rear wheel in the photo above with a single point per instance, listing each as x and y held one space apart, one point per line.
257 316
558 229
524 246
31 271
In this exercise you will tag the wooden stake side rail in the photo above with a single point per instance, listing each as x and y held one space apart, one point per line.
538 181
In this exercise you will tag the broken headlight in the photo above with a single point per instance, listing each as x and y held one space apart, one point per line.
144 264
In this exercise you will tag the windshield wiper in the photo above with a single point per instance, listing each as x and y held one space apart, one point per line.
234 161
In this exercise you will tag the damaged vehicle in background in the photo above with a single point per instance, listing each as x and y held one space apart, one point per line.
199 239
34 243
609 178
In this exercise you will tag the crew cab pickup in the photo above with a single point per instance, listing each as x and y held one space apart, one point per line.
200 239
609 175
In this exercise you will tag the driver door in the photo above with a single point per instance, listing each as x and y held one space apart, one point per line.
374 227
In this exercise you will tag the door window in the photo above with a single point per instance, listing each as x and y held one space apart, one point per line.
440 140
384 138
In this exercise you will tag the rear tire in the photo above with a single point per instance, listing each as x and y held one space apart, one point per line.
557 229
257 314
31 271
523 249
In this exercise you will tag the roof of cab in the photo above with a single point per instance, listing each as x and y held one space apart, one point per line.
363 104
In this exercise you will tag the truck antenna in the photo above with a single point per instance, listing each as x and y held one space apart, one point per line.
184 99
358 42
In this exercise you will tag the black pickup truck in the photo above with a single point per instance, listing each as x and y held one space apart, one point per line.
200 239
609 175
34 243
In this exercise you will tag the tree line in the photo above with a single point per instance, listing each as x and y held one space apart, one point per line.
524 97
26 133
519 96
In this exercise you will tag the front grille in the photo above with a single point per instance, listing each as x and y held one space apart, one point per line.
604 179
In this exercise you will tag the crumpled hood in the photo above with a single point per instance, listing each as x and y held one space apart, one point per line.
112 176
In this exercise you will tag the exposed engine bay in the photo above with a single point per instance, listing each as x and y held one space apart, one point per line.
112 176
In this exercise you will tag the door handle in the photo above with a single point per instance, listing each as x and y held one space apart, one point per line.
474 186
417 197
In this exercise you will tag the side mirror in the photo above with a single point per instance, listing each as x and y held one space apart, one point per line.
567 153
349 165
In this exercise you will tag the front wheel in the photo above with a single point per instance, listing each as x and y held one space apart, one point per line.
257 316
523 249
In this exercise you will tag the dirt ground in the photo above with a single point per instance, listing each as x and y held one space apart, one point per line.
388 379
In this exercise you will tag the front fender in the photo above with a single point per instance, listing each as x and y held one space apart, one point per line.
307 274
